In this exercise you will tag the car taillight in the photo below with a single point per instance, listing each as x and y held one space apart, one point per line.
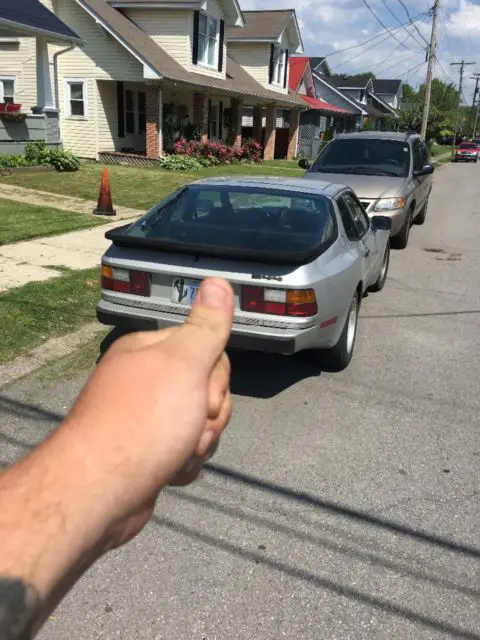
125 281
279 302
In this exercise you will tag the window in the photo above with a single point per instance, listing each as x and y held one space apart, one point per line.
142 118
418 156
360 218
76 98
129 111
278 63
208 37
348 223
7 90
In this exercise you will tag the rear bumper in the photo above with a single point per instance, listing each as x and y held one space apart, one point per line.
248 338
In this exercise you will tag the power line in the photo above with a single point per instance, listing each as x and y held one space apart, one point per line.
462 66
411 20
379 35
382 23
392 13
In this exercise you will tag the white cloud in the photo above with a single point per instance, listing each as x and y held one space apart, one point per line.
465 21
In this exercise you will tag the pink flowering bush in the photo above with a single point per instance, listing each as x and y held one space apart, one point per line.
213 153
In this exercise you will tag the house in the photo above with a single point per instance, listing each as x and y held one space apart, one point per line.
319 115
150 71
389 91
27 28
361 90
264 48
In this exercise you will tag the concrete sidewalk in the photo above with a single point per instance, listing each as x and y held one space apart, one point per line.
59 201
36 260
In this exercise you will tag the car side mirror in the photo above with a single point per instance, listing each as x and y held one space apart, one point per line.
303 163
424 171
381 223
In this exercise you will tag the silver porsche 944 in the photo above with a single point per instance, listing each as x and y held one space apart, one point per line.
299 254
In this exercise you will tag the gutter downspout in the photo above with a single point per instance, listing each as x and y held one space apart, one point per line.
55 73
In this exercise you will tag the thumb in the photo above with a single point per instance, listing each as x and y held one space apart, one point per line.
204 335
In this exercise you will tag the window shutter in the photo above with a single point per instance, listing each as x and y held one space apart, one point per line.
270 67
220 44
209 118
286 69
196 25
120 110
220 120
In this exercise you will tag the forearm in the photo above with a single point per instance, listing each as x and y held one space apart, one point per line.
47 537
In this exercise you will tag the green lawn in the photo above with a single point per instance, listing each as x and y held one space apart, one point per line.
440 149
41 310
19 221
138 187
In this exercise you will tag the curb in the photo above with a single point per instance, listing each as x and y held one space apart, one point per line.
53 349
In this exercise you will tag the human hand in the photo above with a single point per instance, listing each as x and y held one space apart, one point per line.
153 411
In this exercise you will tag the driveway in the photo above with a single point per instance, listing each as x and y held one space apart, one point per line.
339 506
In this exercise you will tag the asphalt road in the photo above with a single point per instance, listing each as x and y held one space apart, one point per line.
339 506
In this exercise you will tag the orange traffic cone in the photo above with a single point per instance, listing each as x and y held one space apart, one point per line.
104 204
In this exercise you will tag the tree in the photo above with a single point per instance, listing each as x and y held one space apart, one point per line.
409 95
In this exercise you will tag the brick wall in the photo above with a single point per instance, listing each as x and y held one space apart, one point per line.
235 133
153 112
200 114
270 134
293 135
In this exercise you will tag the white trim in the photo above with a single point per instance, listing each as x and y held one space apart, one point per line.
9 40
300 48
342 95
155 75
8 78
154 5
66 98
385 104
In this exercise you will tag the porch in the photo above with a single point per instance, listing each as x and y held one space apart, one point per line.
138 123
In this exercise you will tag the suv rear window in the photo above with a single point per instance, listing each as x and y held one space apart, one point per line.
365 156
245 220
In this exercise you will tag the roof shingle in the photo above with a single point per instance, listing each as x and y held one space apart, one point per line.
32 15
382 86
261 24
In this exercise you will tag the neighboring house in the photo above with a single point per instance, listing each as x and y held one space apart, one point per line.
26 29
361 90
263 47
319 116
390 92
153 70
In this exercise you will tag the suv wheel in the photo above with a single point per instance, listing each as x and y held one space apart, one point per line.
420 219
400 241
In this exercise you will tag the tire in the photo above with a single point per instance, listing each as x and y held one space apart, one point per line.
420 219
400 241
339 357
382 275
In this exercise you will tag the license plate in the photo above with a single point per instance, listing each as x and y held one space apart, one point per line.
184 291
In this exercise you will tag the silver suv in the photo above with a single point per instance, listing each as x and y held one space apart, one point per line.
391 173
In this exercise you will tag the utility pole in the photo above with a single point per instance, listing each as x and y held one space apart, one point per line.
462 66
432 52
476 77
477 113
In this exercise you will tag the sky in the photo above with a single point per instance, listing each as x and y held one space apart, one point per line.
328 26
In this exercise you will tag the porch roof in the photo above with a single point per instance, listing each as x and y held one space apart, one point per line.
237 82
320 105
31 18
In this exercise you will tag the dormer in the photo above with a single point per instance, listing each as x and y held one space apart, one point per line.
300 76
192 32
263 47
321 67
357 87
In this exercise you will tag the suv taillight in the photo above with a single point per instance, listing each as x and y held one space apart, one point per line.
124 281
300 303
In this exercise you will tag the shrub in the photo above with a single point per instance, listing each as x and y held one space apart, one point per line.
10 161
175 162
36 152
214 153
63 160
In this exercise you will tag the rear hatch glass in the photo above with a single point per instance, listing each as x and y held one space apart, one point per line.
242 222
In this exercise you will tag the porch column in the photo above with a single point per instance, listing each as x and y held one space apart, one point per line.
153 115
257 124
44 83
200 114
270 133
293 135
235 133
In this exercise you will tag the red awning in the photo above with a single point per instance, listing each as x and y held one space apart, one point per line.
315 103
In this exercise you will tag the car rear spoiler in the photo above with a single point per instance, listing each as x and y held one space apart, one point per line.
118 237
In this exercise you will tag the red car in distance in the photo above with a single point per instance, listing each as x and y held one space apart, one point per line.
467 152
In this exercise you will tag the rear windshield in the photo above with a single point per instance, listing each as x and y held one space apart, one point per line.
239 220
363 156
